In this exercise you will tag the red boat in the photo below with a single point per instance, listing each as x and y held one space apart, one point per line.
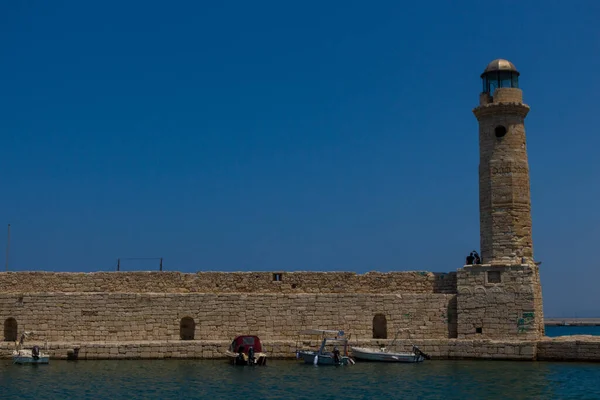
246 350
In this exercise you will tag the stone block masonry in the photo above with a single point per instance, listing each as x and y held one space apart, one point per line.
146 306
100 317
117 315
228 282
504 190
500 302
577 348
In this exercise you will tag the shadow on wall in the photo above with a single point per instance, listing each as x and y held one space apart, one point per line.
444 282
452 320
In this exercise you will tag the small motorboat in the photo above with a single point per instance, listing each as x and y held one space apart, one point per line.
325 355
29 356
246 350
383 354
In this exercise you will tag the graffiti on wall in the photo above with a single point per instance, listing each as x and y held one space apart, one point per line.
525 323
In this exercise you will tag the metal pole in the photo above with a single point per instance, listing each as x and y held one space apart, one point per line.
7 246
118 264
161 263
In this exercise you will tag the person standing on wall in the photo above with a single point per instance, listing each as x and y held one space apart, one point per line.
470 259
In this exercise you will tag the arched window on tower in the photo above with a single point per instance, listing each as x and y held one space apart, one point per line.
187 328
10 330
379 327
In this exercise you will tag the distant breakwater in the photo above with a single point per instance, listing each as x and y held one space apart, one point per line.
572 321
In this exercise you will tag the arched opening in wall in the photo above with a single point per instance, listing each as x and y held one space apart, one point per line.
10 330
379 327
187 327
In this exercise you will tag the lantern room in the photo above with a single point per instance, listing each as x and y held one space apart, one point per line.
499 74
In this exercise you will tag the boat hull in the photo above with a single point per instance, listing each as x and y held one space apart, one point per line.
323 359
31 360
25 356
366 354
234 359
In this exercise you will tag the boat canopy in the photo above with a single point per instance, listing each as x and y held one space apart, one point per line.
321 332
244 343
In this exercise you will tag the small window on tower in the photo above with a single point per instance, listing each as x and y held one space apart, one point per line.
494 277
500 131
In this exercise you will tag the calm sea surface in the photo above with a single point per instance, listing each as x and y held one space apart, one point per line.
207 379
283 379
572 330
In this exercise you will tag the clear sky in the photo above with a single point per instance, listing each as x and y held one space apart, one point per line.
253 135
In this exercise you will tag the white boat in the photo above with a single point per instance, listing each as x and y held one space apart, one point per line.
325 355
383 354
29 356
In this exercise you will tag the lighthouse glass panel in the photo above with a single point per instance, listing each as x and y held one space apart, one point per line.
515 80
505 79
490 82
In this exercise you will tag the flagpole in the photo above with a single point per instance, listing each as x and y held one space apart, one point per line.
7 246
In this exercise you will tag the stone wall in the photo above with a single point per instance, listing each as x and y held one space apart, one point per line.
232 282
569 348
551 349
438 349
98 317
500 302
504 191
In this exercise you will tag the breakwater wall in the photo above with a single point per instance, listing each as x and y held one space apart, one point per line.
572 321
206 316
581 348
112 315
147 306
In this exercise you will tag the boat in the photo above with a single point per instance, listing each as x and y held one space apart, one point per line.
385 355
246 350
327 355
29 356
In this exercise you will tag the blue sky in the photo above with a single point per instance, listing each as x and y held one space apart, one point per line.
290 136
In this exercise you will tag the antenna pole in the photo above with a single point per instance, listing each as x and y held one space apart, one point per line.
7 246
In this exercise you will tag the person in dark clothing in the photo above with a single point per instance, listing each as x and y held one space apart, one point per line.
477 259
470 259
336 355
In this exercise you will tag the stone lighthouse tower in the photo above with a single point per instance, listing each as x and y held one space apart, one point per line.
504 200
502 297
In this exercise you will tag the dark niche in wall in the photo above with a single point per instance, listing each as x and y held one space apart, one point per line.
10 330
379 327
494 277
187 328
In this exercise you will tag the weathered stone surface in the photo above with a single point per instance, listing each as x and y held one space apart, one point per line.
508 309
580 348
502 299
570 348
504 193
228 282
99 317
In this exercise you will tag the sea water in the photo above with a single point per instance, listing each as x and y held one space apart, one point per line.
285 379
570 330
